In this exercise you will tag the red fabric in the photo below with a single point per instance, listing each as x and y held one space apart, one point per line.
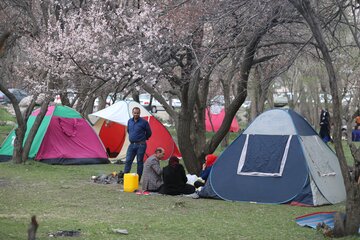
214 122
210 160
113 137
299 204
315 213
160 138
176 151
70 138
49 112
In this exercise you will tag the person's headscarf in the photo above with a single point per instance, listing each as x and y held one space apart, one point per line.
210 160
173 161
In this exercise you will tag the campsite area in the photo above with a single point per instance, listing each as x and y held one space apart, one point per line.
64 198
259 101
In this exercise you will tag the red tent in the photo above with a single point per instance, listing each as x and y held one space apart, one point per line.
213 121
111 122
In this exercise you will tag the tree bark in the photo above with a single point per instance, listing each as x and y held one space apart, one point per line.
245 68
260 94
352 220
64 99
3 39
30 138
187 149
21 129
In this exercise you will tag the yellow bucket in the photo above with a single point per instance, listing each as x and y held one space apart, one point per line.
131 182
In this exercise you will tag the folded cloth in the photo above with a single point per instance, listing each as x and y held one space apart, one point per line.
191 178
313 219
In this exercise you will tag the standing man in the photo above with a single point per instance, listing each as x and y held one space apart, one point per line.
139 131
152 177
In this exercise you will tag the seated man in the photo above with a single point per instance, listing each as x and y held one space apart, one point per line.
151 179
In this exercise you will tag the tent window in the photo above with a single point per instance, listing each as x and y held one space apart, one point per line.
264 155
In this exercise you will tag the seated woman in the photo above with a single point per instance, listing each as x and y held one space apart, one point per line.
174 178
210 159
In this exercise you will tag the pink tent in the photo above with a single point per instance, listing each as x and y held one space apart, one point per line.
64 137
213 121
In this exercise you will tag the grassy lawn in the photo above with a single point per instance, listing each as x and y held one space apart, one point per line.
4 130
5 116
64 198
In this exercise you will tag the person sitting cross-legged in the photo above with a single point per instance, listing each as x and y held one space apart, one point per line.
151 179
175 179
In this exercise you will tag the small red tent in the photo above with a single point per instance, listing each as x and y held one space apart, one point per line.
214 120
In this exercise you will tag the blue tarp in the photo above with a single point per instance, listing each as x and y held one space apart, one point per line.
313 219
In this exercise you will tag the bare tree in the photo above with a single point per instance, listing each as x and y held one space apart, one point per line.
220 34
352 221
7 41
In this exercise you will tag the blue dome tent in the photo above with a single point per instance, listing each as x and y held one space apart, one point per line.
279 158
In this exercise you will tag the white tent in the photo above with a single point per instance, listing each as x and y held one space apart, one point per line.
111 126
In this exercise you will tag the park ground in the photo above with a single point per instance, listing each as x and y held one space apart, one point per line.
65 198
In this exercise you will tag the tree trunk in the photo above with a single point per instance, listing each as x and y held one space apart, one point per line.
226 83
245 69
3 38
65 100
21 129
34 129
19 132
102 101
260 94
185 144
352 221
18 148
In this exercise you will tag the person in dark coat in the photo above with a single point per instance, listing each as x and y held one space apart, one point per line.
175 179
325 126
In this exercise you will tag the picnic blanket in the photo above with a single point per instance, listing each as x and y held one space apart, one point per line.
313 219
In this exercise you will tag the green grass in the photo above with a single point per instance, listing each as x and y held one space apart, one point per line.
4 130
64 198
5 116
